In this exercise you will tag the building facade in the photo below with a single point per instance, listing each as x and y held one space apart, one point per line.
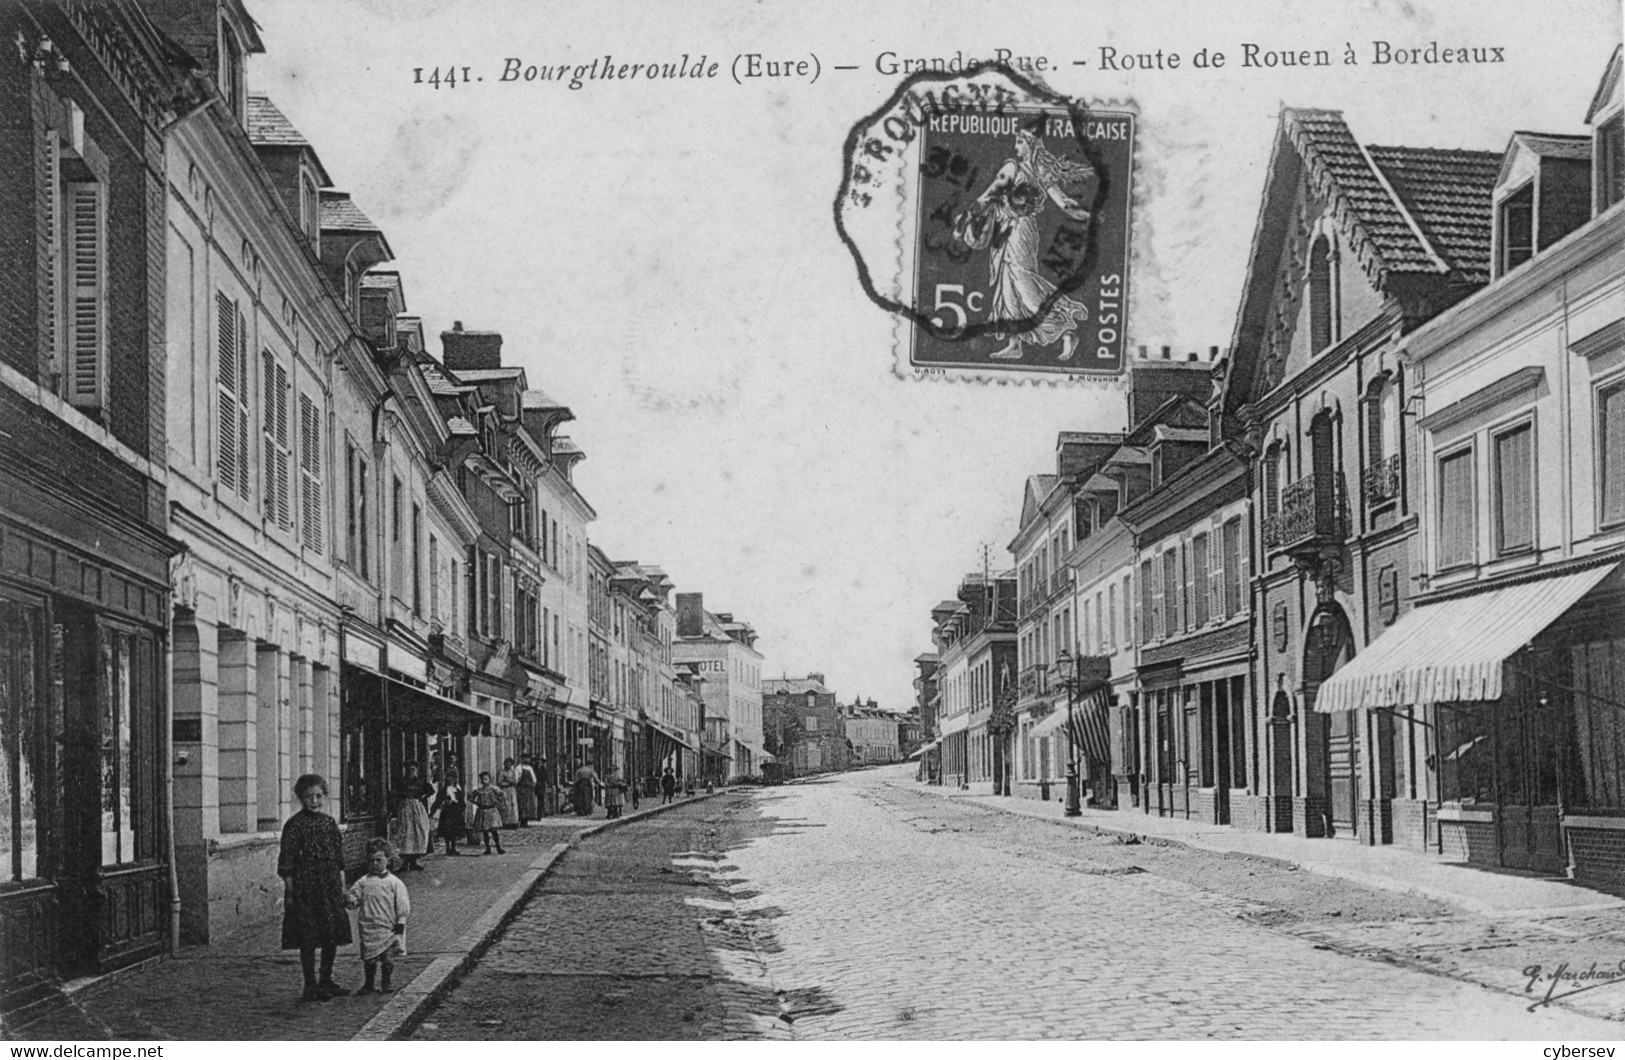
803 726
1506 737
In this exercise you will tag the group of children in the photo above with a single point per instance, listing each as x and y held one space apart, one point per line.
316 902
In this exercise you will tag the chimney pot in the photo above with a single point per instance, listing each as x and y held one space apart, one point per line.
1167 353
1212 353
456 325
1193 356
1142 351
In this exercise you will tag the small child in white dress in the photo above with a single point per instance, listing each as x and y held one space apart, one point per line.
383 905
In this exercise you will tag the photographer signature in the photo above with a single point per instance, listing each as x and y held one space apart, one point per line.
1565 981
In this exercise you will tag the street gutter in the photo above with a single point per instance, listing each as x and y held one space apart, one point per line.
411 1002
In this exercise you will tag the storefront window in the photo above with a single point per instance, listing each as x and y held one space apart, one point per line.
1466 758
21 629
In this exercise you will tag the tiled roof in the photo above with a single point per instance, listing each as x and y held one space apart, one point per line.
1556 145
481 375
1448 195
1410 209
388 280
268 125
1340 173
440 383
564 446
536 399
795 686
459 425
341 214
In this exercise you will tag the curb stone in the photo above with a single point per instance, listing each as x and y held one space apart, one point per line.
1383 883
413 999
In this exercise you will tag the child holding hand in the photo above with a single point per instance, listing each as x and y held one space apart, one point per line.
383 906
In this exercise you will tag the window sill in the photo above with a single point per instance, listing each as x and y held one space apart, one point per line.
1519 560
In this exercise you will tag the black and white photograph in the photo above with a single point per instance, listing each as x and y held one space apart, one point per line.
749 521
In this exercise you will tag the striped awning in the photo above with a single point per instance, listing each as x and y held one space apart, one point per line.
1085 724
1452 651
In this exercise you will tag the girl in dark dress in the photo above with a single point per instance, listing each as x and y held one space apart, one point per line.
451 804
311 865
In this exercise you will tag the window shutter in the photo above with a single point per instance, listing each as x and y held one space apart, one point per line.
53 272
242 468
284 498
1189 570
1158 628
226 357
310 472
268 426
1215 575
86 323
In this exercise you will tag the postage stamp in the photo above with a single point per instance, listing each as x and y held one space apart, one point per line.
993 217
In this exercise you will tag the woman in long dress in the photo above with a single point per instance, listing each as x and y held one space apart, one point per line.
1005 218
411 830
508 788
527 793
451 803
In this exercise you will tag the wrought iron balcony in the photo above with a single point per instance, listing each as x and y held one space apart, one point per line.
1382 480
1035 680
1311 515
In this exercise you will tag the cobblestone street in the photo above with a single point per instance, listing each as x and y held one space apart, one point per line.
862 907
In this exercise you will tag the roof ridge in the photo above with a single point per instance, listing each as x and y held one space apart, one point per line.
1404 211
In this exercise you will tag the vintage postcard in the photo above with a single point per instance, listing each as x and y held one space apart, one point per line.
740 521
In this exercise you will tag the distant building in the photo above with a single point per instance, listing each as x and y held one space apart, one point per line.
872 733
723 652
802 726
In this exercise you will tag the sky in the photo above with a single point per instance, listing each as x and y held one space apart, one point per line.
662 258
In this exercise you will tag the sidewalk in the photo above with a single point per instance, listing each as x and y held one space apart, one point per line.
246 987
1479 890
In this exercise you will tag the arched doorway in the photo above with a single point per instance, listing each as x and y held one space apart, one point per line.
1333 740
1281 771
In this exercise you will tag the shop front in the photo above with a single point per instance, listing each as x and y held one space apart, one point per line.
1508 723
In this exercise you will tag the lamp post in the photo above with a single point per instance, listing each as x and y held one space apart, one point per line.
1070 679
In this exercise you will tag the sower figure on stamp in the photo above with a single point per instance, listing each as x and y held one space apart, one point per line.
311 864
1005 219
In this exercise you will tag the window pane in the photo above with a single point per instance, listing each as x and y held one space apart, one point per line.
1611 451
1514 514
1456 509
19 837
1199 595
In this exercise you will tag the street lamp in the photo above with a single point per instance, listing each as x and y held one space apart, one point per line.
1070 679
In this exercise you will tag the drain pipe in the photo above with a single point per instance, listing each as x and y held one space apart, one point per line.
169 761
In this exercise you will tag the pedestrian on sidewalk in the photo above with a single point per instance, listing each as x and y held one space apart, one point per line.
487 800
383 906
668 786
633 790
614 793
581 790
311 864
526 786
449 803
508 788
410 828
688 786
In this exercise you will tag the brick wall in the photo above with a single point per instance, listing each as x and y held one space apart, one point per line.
1410 824
1599 857
1472 841
1309 816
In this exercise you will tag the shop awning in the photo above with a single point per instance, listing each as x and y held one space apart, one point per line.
419 709
1056 719
760 753
1452 651
670 732
1093 732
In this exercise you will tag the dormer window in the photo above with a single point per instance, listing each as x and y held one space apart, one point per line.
310 209
1516 220
233 81
1609 179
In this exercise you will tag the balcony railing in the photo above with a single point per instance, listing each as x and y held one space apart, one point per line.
1035 680
1311 514
1382 480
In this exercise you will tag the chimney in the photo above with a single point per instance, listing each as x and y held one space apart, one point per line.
1078 451
816 677
690 614
470 350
